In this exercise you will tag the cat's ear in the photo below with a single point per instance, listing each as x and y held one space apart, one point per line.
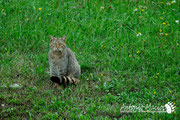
51 38
64 38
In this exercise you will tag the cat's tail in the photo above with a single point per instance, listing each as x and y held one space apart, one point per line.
65 80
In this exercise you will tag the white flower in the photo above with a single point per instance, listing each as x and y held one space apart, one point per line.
177 21
102 8
15 86
2 105
139 34
174 1
135 9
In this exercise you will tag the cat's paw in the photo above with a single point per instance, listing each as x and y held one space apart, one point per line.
169 107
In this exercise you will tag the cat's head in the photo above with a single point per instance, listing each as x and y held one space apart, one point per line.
57 44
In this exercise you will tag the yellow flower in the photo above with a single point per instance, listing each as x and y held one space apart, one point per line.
164 12
166 34
138 52
160 17
20 11
175 112
168 99
101 45
154 92
40 9
177 44
174 104
39 18
170 91
172 2
157 73
164 23
105 63
160 30
101 74
2 9
104 46
27 19
142 10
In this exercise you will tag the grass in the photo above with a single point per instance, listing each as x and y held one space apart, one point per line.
125 55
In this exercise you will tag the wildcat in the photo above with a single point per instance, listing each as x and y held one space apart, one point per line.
64 68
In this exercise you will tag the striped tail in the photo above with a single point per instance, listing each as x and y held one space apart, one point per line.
64 80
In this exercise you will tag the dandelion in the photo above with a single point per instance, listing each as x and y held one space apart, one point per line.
174 112
160 30
136 9
177 21
164 23
154 92
170 91
102 8
166 34
138 52
177 44
2 9
101 75
157 73
27 19
39 18
40 9
172 2
142 10
139 34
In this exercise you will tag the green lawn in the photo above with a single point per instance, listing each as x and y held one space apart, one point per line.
128 51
